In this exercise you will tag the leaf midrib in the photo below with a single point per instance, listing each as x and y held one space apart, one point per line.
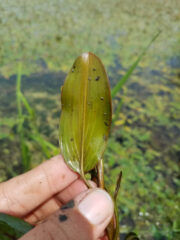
85 76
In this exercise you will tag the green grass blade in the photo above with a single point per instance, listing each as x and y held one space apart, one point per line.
51 146
15 223
117 111
18 90
27 106
48 148
23 146
123 80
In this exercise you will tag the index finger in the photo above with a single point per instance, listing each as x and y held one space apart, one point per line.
24 193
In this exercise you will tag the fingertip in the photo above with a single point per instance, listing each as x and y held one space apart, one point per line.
97 207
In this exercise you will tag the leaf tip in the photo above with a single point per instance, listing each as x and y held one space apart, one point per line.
85 56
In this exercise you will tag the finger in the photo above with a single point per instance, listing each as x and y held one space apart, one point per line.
84 218
53 204
73 190
35 187
43 211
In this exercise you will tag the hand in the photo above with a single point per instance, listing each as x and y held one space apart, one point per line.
39 195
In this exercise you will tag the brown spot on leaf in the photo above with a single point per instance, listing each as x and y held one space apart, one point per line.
107 124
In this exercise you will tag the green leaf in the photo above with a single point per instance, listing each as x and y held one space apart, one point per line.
27 106
124 79
86 113
13 226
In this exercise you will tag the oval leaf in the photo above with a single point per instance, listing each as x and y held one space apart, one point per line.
86 113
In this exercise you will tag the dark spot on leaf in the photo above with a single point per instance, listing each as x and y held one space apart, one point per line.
102 98
107 124
72 139
62 218
97 78
94 69
68 205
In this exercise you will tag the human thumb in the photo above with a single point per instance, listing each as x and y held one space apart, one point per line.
83 218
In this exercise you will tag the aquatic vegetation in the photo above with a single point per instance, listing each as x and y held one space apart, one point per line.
47 148
43 37
82 106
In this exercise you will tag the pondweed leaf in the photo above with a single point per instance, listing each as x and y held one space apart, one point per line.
86 113
12 227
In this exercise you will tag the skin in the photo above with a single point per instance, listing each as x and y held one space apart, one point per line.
39 195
